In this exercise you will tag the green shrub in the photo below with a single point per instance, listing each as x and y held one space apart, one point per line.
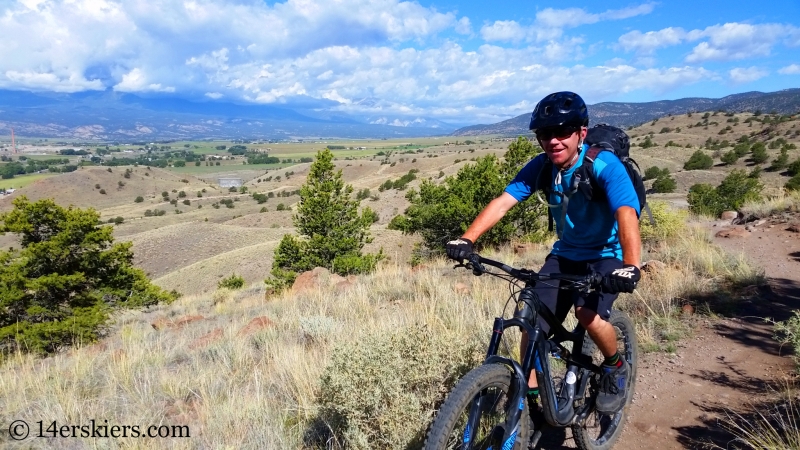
735 190
759 153
139 199
794 183
780 162
664 184
741 149
698 161
66 279
440 212
281 207
187 202
380 391
669 223
730 157
647 143
233 282
399 223
370 215
654 172
788 332
794 168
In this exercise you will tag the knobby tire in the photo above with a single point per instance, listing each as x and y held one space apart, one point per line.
447 430
601 432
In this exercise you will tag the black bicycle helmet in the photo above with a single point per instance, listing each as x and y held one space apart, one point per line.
558 109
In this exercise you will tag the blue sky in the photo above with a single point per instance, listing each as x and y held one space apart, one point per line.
394 61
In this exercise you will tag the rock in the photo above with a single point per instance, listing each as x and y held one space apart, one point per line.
167 322
729 215
257 324
335 279
310 279
653 266
794 228
760 222
461 289
188 319
733 233
687 309
524 248
206 339
343 285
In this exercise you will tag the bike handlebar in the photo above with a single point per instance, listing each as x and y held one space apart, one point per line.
591 281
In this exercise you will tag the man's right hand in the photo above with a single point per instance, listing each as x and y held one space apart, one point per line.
456 247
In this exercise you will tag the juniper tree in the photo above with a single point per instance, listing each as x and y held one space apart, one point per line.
67 276
332 231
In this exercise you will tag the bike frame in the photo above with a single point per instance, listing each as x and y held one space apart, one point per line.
537 349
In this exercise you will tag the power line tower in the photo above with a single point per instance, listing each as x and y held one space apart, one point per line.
13 142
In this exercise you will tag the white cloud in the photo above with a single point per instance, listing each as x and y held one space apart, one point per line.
503 30
214 95
733 41
463 26
727 42
793 69
550 23
137 81
648 42
573 17
741 75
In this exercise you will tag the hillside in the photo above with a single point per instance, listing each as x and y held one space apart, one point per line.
630 114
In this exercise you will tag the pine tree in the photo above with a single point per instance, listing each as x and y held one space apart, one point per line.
66 278
332 231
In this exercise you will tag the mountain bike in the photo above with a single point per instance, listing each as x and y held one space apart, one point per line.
488 409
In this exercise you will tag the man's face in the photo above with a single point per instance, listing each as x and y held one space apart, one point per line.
561 143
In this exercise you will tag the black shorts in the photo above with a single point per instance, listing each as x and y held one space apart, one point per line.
560 301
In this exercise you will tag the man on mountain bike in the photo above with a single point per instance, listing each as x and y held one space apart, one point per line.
594 236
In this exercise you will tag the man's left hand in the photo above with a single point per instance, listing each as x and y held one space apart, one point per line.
622 280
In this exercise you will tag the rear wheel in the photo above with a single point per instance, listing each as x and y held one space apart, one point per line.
489 386
600 431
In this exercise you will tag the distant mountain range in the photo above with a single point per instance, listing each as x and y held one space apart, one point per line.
124 117
628 114
115 116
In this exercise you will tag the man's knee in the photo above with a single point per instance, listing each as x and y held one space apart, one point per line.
588 318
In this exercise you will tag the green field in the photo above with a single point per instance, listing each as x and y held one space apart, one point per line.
20 181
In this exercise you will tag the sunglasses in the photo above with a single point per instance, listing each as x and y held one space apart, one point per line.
559 133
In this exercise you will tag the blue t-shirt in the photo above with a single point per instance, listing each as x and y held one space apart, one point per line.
590 230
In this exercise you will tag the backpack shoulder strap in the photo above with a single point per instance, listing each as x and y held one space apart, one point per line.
584 178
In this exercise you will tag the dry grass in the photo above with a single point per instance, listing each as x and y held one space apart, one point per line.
257 391
781 201
770 425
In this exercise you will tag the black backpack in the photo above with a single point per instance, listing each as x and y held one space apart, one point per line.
599 138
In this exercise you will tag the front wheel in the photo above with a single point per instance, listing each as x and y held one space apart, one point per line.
484 392
600 431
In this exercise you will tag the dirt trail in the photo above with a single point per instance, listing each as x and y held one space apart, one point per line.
726 364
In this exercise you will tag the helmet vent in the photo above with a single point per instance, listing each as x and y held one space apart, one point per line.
548 110
567 103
